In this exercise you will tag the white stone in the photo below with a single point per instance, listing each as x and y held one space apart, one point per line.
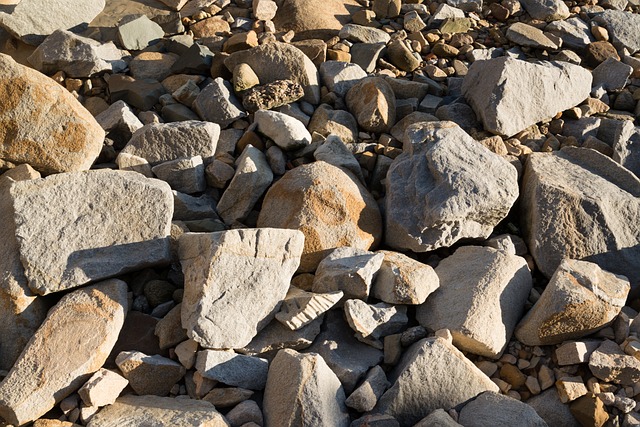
340 76
216 103
371 322
288 133
103 388
403 280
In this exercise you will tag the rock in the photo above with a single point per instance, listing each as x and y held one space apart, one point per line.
486 88
402 56
276 336
589 410
549 407
438 418
158 411
138 33
373 104
612 75
175 4
328 205
141 94
189 208
245 412
621 27
95 314
302 391
366 55
210 27
162 142
42 123
567 189
32 21
627 152
300 308
251 179
244 78
185 175
137 334
574 32
77 56
264 10
339 76
216 103
402 280
186 352
371 322
219 173
450 201
327 121
120 123
272 95
228 396
361 34
196 59
529 36
152 65
575 352
386 8
233 369
413 22
546 10
314 20
365 397
149 374
103 388
579 299
610 364
481 303
288 133
349 270
280 61
221 272
428 377
336 153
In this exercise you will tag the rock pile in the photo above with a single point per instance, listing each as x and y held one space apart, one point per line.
319 213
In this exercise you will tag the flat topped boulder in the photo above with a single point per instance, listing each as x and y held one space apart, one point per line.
509 95
311 19
42 124
78 227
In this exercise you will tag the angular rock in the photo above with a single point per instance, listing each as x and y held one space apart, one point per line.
142 94
579 299
567 206
287 132
622 27
120 123
246 413
612 75
526 35
185 175
158 411
371 322
327 121
94 314
152 65
438 418
216 103
276 336
361 34
627 152
302 391
546 10
149 374
335 152
492 409
272 95
189 208
609 363
574 32
311 20
300 308
162 142
487 88
365 397
252 178
42 124
103 388
589 410
340 76
228 396
210 27
328 205
402 56
138 33
432 374
402 280
481 297
373 104
72 228
453 198
235 281
233 369
549 407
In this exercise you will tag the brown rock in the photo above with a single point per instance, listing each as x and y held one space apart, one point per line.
373 104
512 375
152 65
312 19
272 95
589 411
210 27
241 41
598 52
386 8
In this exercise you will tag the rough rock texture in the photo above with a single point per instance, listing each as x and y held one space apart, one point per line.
609 363
579 299
438 191
328 205
432 374
438 418
492 410
623 28
94 316
549 407
365 397
300 308
235 281
276 336
481 303
103 388
42 124
302 391
84 226
371 322
216 103
373 104
497 87
149 374
233 369
579 204
403 280
287 132
314 20
546 10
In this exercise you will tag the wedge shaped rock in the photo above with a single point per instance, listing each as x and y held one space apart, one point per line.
300 308
233 369
149 374
287 132
492 409
216 103
403 280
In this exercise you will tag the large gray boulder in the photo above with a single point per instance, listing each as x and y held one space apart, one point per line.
495 410
622 27
546 10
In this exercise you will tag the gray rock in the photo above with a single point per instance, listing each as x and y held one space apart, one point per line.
574 32
138 33
399 129
340 76
549 407
300 308
622 28
361 34
287 132
235 281
245 413
365 397
491 409
276 336
162 142
453 198
142 94
371 322
228 396
459 113
120 123
402 280
627 152
252 178
438 418
185 175
149 374
546 10
366 55
233 369
432 374
335 152
612 75
568 195
216 103
77 56
579 299
169 329
487 88
85 226
33 20
94 314
302 391
526 35
610 364
188 208
480 299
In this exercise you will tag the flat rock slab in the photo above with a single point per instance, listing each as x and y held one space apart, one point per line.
491 409
235 282
314 20
496 88
580 204
42 124
33 20
233 369
93 316
149 374
158 411
79 227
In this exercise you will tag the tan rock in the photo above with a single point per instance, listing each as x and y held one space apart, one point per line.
300 308
403 280
590 411
103 388
228 396
570 388
42 124
315 20
149 374
373 104
210 27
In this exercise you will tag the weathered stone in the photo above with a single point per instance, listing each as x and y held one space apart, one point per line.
574 32
302 391
244 78
430 376
272 95
152 65
300 308
314 20
529 36
210 27
137 334
438 418
327 121
546 10
196 59
120 122
371 322
226 302
339 76
328 205
552 410
627 152
162 142
228 396
366 55
487 88
42 124
365 397
574 352
361 34
276 336
142 94
95 315
149 374
612 75
189 208
158 411
103 388
336 153
373 104
492 409
138 33
216 103
449 202
402 56
246 413
589 410
233 369
287 132
402 280
622 27
185 175
579 299
609 363
567 211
